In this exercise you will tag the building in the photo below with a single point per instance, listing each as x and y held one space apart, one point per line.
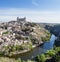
21 19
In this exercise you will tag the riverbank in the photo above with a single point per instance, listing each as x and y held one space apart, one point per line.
21 36
36 50
16 53
32 53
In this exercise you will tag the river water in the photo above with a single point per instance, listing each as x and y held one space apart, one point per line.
39 50
49 45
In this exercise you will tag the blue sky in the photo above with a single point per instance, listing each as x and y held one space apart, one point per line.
31 4
34 10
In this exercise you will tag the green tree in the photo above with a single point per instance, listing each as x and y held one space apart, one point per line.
41 58
50 53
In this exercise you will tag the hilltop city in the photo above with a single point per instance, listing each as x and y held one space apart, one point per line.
20 35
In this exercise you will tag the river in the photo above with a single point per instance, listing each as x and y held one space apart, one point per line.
39 50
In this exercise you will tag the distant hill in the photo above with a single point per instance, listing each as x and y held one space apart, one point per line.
52 27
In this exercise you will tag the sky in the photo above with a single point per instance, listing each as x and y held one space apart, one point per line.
46 11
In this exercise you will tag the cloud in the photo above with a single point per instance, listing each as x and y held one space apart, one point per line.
32 15
35 2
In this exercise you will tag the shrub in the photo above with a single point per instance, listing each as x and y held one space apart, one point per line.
34 40
57 58
30 61
47 37
13 48
44 39
19 60
57 49
5 33
50 53
30 46
41 58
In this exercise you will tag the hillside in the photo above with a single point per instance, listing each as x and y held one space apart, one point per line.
18 36
54 28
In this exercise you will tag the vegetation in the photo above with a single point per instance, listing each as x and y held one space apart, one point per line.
57 57
47 37
34 40
6 51
6 59
57 42
41 58
5 32
27 35
50 53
